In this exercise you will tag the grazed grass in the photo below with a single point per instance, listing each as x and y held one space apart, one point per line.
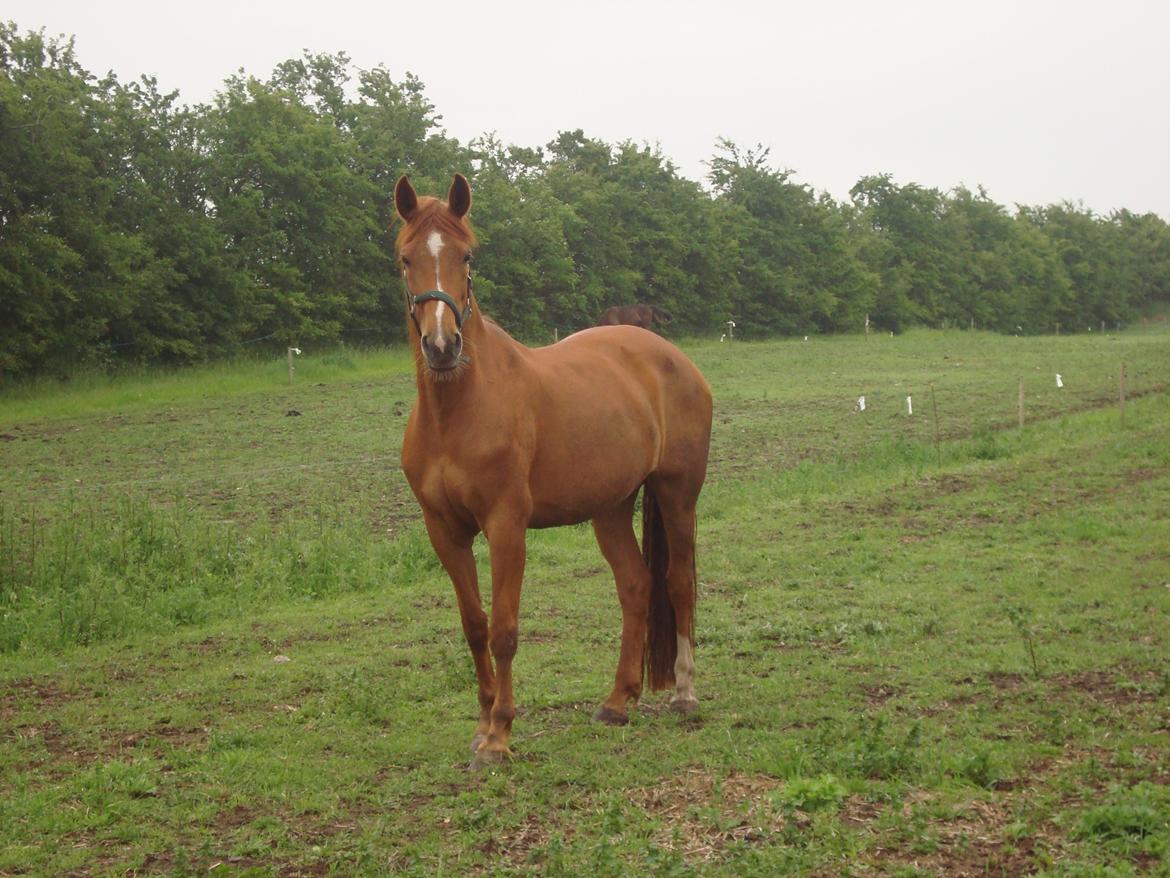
870 705
150 389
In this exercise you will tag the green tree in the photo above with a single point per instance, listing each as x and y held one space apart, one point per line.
69 270
797 270
916 262
524 271
184 300
1090 251
299 217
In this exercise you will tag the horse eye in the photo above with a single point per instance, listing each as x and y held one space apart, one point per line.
467 258
405 262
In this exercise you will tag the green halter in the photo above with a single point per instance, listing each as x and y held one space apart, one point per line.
440 296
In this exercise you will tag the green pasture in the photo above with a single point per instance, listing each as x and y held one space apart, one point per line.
928 644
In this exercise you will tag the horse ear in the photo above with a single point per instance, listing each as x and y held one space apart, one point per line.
459 197
405 199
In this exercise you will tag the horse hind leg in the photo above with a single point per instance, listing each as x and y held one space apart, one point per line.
677 505
615 535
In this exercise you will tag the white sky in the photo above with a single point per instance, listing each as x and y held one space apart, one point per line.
1037 101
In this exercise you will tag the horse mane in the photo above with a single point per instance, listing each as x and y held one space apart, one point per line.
432 215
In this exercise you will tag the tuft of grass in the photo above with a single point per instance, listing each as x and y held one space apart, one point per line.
1131 818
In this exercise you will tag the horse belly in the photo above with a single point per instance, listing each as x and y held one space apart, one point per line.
594 465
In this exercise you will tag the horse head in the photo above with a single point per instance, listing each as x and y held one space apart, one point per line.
434 251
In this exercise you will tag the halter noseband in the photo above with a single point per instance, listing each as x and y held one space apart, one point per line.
438 296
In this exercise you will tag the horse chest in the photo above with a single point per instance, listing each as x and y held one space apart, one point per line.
462 486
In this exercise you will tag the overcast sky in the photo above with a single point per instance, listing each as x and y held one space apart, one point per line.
1039 102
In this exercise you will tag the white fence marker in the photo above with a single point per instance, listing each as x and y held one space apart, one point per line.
291 368
1059 380
909 406
861 403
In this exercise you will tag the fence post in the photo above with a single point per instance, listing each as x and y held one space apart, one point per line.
1121 395
1020 404
291 367
937 436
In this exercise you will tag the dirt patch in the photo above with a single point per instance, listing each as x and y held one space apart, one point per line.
950 484
1007 680
177 736
1142 474
46 693
234 817
1105 687
972 842
532 835
54 739
702 815
878 694
980 519
857 811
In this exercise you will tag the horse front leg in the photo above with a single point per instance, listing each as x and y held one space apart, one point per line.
507 558
453 548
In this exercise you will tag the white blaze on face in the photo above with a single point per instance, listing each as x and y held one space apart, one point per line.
435 245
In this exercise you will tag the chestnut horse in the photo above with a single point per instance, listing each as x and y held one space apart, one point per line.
503 438
633 315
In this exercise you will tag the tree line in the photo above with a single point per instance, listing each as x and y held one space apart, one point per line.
134 228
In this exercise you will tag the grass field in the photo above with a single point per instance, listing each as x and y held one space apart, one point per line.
925 646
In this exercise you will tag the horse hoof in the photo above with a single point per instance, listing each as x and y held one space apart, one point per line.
684 706
611 717
485 758
476 742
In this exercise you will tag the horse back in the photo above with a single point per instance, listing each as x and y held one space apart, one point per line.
605 373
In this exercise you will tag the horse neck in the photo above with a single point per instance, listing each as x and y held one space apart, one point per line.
439 399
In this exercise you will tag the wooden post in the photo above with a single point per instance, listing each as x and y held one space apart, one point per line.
867 327
937 437
1020 404
1121 395
1058 328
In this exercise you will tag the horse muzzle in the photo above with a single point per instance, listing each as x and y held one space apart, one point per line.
442 352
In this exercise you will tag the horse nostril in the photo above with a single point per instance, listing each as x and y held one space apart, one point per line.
458 342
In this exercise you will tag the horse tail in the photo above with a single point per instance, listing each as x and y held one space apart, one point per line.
661 640
661 314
